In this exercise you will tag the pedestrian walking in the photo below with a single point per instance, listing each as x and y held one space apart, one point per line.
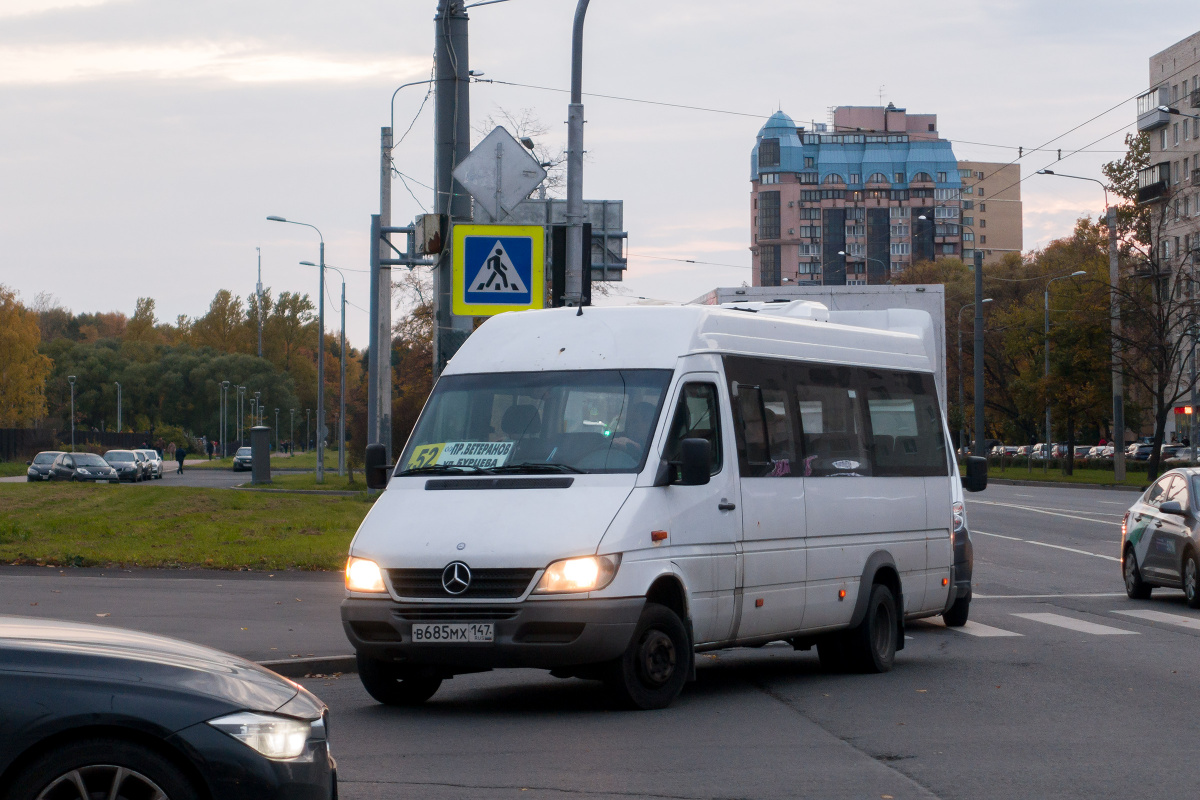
208 446
180 453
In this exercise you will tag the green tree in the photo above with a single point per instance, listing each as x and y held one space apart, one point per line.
23 369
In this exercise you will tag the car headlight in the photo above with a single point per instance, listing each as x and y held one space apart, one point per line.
31 471
958 514
586 574
364 575
278 738
83 471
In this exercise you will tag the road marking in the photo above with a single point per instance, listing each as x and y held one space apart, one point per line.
1041 596
1047 512
1078 625
1047 544
1162 616
984 631
1015 494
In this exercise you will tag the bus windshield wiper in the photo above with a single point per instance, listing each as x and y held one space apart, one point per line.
535 466
439 468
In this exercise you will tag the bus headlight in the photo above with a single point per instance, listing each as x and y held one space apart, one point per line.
363 575
586 574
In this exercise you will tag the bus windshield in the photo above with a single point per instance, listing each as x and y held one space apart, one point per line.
534 422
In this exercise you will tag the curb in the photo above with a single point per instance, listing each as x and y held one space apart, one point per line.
1067 485
322 492
304 667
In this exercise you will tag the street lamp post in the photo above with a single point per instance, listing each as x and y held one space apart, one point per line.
224 417
118 383
1118 389
573 296
71 380
886 268
241 411
1046 373
292 435
277 430
320 345
962 408
342 383
307 432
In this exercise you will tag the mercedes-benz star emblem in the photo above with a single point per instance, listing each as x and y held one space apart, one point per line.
456 577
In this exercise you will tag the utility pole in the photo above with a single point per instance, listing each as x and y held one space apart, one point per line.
258 290
379 347
292 435
71 380
342 393
452 143
224 417
980 449
119 404
307 431
573 294
1115 320
277 430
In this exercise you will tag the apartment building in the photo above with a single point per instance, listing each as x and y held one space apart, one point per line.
855 204
992 218
1170 113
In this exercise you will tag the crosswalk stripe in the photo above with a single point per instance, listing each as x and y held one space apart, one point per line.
1078 625
1162 616
984 631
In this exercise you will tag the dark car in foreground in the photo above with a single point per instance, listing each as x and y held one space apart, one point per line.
82 467
1160 537
92 712
39 467
242 459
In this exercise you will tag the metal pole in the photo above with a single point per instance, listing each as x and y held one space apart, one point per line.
1192 399
373 335
307 427
292 435
978 358
573 291
342 392
1046 376
258 290
118 383
321 372
452 143
71 380
962 405
1115 321
277 430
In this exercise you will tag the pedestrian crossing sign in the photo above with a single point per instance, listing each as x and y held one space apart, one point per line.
498 268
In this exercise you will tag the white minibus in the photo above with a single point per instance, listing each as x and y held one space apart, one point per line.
603 494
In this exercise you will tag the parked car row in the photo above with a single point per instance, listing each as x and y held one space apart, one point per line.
115 466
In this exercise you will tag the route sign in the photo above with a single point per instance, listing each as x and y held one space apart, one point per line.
498 268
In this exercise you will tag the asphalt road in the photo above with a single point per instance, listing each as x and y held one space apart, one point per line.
1059 687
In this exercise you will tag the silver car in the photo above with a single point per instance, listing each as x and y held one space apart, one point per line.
154 463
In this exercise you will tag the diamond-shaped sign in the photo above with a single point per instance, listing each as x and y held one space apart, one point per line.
499 173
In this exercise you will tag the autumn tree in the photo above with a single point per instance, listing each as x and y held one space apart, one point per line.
223 328
23 369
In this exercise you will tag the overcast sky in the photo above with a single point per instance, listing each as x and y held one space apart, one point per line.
143 142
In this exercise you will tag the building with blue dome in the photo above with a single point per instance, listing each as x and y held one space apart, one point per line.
854 204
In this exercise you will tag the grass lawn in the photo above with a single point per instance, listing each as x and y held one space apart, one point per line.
297 461
156 526
1081 475
308 480
9 469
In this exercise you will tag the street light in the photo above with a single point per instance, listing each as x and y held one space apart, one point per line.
1046 455
962 409
292 435
1118 390
342 386
224 416
886 268
320 345
118 383
241 396
277 430
307 432
71 380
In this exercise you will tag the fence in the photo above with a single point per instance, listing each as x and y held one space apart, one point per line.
22 443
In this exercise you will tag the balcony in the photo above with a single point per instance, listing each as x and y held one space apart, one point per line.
1153 182
1151 110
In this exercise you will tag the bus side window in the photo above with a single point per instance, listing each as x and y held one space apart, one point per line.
831 418
697 416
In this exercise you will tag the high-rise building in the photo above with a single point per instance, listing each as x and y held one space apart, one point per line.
853 205
991 209
1170 114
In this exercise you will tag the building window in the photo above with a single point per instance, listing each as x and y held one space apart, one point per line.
856 230
810 213
768 265
1175 134
968 236
809 195
856 213
922 177
899 195
899 231
809 162
983 239
877 177
768 153
941 177
1162 139
968 254
966 174
898 212
856 249
983 223
1175 172
949 249
945 212
900 248
806 177
968 220
767 178
768 215
983 208
833 177
899 177
968 205
808 268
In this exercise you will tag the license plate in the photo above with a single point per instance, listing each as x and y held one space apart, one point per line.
101 481
451 633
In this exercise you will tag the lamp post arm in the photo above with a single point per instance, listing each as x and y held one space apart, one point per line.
392 104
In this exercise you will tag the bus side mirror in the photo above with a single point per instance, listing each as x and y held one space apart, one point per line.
695 462
976 478
375 466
